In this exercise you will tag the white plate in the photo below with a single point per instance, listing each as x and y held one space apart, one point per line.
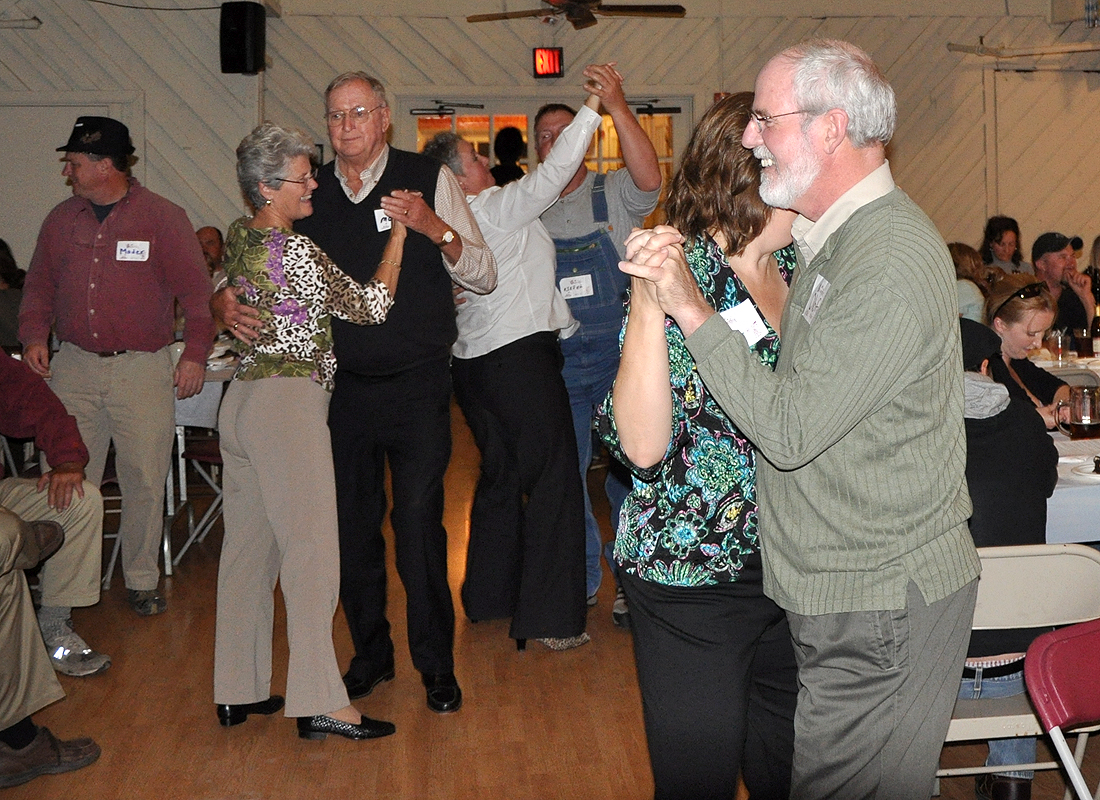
1086 471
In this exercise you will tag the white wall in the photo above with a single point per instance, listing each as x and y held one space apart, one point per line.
949 152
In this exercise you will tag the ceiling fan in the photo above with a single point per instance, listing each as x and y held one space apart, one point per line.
582 13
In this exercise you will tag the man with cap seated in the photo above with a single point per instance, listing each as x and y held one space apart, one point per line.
1056 264
109 265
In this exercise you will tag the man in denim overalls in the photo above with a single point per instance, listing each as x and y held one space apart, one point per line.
589 223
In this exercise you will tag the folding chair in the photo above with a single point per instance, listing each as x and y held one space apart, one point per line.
1029 586
1060 671
204 455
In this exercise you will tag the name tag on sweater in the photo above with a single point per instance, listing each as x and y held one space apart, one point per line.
382 220
817 297
131 251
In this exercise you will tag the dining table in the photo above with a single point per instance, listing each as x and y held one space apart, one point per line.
1073 511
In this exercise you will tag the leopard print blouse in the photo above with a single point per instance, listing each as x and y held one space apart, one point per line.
297 288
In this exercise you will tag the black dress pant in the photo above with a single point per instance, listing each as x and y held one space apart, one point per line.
718 679
406 419
525 558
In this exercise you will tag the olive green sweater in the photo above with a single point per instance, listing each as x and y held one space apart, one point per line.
861 483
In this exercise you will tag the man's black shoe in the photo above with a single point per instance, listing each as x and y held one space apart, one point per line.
360 687
444 696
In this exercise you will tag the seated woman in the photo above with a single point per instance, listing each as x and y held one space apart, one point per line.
280 496
1011 469
715 662
968 266
1020 310
1001 246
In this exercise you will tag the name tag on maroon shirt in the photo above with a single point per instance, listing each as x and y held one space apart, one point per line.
131 251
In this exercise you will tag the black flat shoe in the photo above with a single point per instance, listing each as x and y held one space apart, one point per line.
359 688
235 715
321 726
444 696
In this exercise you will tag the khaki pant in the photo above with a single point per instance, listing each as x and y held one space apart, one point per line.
71 576
27 680
127 399
280 524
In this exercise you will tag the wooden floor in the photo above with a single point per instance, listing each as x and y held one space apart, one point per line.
536 725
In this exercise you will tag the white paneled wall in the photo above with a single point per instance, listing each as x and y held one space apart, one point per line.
955 114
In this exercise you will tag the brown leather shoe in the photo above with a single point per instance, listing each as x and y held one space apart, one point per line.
1000 787
41 540
46 755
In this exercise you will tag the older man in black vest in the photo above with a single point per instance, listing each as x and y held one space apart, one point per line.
393 386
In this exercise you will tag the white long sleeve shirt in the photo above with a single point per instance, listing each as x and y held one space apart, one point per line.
526 299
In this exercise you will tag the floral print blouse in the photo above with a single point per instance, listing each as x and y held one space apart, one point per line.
692 518
297 288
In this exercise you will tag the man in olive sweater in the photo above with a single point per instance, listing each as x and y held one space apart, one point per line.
863 497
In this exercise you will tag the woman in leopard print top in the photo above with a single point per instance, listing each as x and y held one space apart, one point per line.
280 497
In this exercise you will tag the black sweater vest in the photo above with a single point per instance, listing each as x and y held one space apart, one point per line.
420 326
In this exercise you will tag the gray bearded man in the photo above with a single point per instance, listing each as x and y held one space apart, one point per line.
863 497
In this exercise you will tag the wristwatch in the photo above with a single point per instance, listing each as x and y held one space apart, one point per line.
449 236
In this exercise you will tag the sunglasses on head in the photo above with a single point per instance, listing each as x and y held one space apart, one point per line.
1026 292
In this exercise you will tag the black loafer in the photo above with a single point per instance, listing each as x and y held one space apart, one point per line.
321 726
234 715
444 696
360 687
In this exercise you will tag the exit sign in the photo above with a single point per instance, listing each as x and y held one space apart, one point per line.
549 62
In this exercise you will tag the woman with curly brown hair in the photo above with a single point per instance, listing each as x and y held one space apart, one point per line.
715 662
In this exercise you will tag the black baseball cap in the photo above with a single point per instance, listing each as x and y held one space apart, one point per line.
1049 243
100 136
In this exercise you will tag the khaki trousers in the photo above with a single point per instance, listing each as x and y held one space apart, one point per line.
280 523
71 576
27 680
127 399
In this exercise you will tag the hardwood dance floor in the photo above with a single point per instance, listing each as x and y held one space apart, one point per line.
536 725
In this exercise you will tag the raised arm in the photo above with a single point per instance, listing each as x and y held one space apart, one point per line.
638 153
642 395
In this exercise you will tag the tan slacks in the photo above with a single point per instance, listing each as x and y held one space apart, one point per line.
128 399
27 680
280 523
71 576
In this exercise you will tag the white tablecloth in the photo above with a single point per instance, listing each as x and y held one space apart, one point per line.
1073 511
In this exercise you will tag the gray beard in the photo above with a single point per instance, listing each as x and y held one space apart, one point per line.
781 190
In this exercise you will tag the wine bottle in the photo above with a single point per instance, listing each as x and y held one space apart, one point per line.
1094 330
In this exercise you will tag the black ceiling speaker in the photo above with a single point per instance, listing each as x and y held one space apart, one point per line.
243 28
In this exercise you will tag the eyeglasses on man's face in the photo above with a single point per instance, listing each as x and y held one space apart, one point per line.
356 114
765 121
303 181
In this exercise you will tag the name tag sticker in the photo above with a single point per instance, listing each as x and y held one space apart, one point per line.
382 220
817 297
576 286
131 251
745 318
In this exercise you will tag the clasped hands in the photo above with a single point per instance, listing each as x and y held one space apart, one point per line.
660 272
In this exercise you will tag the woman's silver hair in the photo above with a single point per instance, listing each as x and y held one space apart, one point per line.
443 147
829 74
347 77
264 157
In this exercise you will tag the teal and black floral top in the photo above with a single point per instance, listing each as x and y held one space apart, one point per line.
691 519
297 288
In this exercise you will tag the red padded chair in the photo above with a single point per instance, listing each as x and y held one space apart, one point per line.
1061 669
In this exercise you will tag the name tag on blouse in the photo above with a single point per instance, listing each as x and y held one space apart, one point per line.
745 318
576 286
131 251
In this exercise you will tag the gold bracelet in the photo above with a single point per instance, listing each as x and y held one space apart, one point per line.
387 261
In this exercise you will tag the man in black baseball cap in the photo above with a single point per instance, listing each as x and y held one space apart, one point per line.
1055 263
